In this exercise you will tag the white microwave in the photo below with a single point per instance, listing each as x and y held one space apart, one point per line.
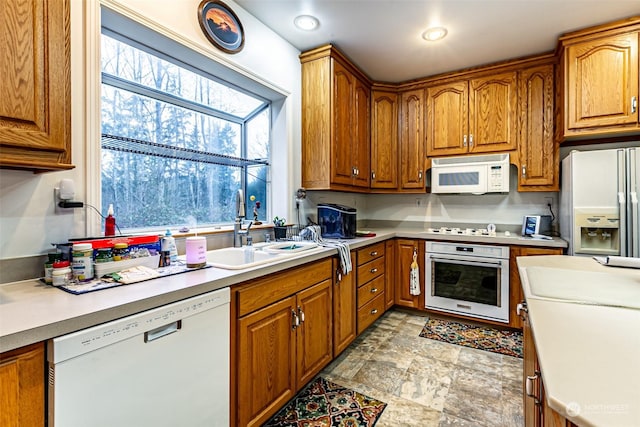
470 174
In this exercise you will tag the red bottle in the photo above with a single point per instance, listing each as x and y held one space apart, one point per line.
110 223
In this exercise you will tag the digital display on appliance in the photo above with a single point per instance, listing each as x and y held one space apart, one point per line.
530 225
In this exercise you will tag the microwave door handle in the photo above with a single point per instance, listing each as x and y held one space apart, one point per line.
466 262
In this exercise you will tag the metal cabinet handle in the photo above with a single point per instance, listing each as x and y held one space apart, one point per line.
470 140
521 308
301 313
374 290
373 270
524 171
464 141
374 311
634 104
295 320
373 175
373 253
419 175
530 384
338 276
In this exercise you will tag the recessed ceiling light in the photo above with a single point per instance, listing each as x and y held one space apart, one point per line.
306 22
434 34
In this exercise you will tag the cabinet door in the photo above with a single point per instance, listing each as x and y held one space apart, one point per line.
601 80
22 374
447 119
344 307
389 273
361 143
531 373
412 140
343 132
404 257
538 151
266 362
315 333
35 88
384 140
493 113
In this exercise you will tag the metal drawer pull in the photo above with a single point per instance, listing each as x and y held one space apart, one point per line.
524 171
634 104
295 320
374 290
373 253
374 270
419 175
529 385
373 175
470 139
162 331
464 141
301 314
374 311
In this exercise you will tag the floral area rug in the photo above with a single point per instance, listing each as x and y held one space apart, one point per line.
480 337
323 403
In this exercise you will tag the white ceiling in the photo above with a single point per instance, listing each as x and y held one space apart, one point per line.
383 37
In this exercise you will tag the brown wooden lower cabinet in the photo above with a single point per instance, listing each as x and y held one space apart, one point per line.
536 411
405 249
284 337
22 384
344 307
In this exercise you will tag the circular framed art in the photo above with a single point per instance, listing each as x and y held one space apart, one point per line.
221 26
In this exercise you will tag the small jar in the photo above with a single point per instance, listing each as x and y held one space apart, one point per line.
61 273
104 255
120 251
82 261
48 265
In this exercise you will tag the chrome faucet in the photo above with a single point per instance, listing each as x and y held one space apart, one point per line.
237 225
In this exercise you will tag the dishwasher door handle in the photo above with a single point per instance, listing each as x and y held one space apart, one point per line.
162 331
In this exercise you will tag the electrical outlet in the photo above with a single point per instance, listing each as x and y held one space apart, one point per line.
548 201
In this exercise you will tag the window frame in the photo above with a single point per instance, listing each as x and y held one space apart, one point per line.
268 97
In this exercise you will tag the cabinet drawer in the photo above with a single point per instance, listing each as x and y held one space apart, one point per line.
370 312
370 253
370 271
370 290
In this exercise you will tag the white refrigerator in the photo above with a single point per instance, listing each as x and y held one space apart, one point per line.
599 202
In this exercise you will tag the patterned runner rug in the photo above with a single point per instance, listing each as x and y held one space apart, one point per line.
326 404
480 337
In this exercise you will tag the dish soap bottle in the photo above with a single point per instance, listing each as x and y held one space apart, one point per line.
169 245
110 223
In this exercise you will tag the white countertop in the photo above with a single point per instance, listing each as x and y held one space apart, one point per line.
31 311
589 353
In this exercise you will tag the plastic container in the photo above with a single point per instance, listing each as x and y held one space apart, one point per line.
61 273
120 251
82 264
104 255
48 265
196 251
168 244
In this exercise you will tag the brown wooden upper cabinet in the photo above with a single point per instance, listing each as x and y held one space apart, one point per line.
537 149
412 137
599 71
384 140
477 115
35 88
335 122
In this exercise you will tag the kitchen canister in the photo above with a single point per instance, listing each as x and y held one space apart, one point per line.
61 273
82 264
196 249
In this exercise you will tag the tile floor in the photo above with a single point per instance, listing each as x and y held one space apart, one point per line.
426 382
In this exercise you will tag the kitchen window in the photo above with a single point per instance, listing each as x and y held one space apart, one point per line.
177 141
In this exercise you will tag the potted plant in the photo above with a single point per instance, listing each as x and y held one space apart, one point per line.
279 228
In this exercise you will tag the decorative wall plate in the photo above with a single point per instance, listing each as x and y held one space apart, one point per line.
221 26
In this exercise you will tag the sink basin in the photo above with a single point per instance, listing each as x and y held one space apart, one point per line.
290 247
584 287
234 258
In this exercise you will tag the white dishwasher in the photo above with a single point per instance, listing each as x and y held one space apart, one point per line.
168 366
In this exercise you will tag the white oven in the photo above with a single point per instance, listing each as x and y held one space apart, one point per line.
468 279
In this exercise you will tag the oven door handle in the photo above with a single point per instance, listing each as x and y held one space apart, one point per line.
496 264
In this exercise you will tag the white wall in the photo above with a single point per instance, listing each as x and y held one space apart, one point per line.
28 223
